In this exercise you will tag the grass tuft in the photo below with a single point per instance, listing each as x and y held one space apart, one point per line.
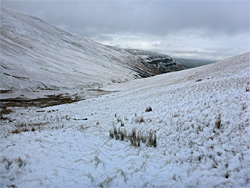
135 137
149 109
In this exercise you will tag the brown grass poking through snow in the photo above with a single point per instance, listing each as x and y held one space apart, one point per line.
149 109
136 138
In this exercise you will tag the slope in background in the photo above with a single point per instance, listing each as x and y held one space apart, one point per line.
39 60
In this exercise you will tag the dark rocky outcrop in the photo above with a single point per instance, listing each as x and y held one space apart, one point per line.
163 63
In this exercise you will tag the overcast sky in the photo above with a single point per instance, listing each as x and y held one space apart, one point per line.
182 28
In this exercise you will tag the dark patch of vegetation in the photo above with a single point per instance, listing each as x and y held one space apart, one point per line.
134 137
149 109
50 100
122 124
3 118
80 119
5 110
8 163
198 80
244 106
40 111
29 127
140 120
218 122
6 91
16 131
13 186
26 129
248 88
101 91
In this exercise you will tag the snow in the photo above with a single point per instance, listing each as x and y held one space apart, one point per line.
71 147
37 56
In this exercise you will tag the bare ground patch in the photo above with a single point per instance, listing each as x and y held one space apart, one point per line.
49 100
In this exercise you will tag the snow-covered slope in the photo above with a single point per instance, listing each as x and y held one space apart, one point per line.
37 56
200 117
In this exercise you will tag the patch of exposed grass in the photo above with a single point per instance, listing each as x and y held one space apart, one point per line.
50 100
5 110
149 109
6 91
136 138
247 87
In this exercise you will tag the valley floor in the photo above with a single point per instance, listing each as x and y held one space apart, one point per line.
200 117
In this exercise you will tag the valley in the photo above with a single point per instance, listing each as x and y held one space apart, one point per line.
75 113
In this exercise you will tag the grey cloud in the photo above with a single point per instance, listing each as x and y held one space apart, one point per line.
154 17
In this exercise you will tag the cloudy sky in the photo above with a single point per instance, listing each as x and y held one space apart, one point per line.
213 29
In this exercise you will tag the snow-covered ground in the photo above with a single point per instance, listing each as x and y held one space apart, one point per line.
200 117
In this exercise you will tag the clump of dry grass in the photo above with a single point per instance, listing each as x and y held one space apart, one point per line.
139 120
6 110
152 139
122 124
8 163
218 122
248 88
149 109
198 80
24 129
136 138
16 131
111 134
244 106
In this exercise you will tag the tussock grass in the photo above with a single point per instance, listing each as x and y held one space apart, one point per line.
139 120
136 138
149 109
248 88
218 122
5 110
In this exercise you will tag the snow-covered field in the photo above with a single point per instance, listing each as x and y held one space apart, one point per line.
200 117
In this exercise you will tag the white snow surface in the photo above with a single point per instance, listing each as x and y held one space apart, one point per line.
67 150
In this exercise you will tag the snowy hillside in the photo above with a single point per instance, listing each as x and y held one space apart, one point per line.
161 62
37 56
198 120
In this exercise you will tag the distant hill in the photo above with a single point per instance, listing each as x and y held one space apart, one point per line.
191 63
161 62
